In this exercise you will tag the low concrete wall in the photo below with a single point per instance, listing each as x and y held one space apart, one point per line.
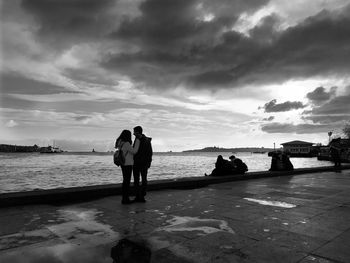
78 194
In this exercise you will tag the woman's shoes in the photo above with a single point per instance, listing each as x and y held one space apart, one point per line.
126 201
136 200
139 200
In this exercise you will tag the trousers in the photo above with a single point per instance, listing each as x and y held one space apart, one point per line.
140 171
126 171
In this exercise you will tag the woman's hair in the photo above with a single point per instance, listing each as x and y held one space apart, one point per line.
219 161
125 136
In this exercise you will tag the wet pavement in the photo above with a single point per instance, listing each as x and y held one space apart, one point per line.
301 218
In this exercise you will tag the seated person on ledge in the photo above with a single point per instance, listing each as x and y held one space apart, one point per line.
280 162
225 167
239 166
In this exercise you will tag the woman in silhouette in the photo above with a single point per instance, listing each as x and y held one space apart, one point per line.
124 144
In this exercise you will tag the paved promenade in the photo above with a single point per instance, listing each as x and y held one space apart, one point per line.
295 218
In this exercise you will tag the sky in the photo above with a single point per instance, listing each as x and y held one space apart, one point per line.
192 73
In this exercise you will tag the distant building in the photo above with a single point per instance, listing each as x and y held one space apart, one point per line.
298 148
18 148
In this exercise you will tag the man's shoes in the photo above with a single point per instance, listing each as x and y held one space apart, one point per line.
126 202
140 200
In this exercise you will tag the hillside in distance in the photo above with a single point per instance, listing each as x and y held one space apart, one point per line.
240 149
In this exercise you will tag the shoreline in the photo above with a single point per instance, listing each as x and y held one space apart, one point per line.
84 193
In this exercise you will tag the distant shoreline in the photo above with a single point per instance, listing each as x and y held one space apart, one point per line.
36 149
233 150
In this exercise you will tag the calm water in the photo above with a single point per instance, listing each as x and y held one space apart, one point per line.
30 171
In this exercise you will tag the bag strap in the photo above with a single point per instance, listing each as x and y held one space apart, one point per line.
121 146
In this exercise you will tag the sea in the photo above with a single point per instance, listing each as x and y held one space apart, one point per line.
34 171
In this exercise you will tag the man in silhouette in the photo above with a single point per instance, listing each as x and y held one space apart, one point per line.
142 161
238 165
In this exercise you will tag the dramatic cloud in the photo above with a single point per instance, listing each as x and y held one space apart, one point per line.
298 129
273 106
338 105
328 119
335 111
319 95
177 50
64 21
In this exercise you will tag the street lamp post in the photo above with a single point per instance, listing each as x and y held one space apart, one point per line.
329 136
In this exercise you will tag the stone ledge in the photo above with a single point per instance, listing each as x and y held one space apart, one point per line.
78 194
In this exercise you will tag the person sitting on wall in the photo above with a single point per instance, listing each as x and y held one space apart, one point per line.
238 165
335 152
222 167
280 161
225 167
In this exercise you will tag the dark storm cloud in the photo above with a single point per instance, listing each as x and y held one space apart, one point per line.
178 46
62 21
319 95
335 111
190 42
338 105
162 21
273 106
299 129
327 119
317 46
213 57
175 22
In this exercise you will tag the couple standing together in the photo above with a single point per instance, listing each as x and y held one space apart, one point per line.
138 158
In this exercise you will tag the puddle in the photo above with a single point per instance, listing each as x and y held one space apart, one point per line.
271 203
80 239
186 223
207 211
82 227
158 242
25 238
77 214
62 253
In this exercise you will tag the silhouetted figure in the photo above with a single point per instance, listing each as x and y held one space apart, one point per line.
142 162
280 162
123 143
127 251
225 167
238 165
335 155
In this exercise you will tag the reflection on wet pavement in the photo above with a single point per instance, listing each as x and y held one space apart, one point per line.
271 203
186 223
79 239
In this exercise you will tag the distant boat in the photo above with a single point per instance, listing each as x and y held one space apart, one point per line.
259 152
51 149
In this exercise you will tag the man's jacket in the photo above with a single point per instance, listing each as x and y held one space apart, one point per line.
143 157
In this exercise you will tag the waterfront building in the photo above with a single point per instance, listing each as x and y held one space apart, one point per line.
298 148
